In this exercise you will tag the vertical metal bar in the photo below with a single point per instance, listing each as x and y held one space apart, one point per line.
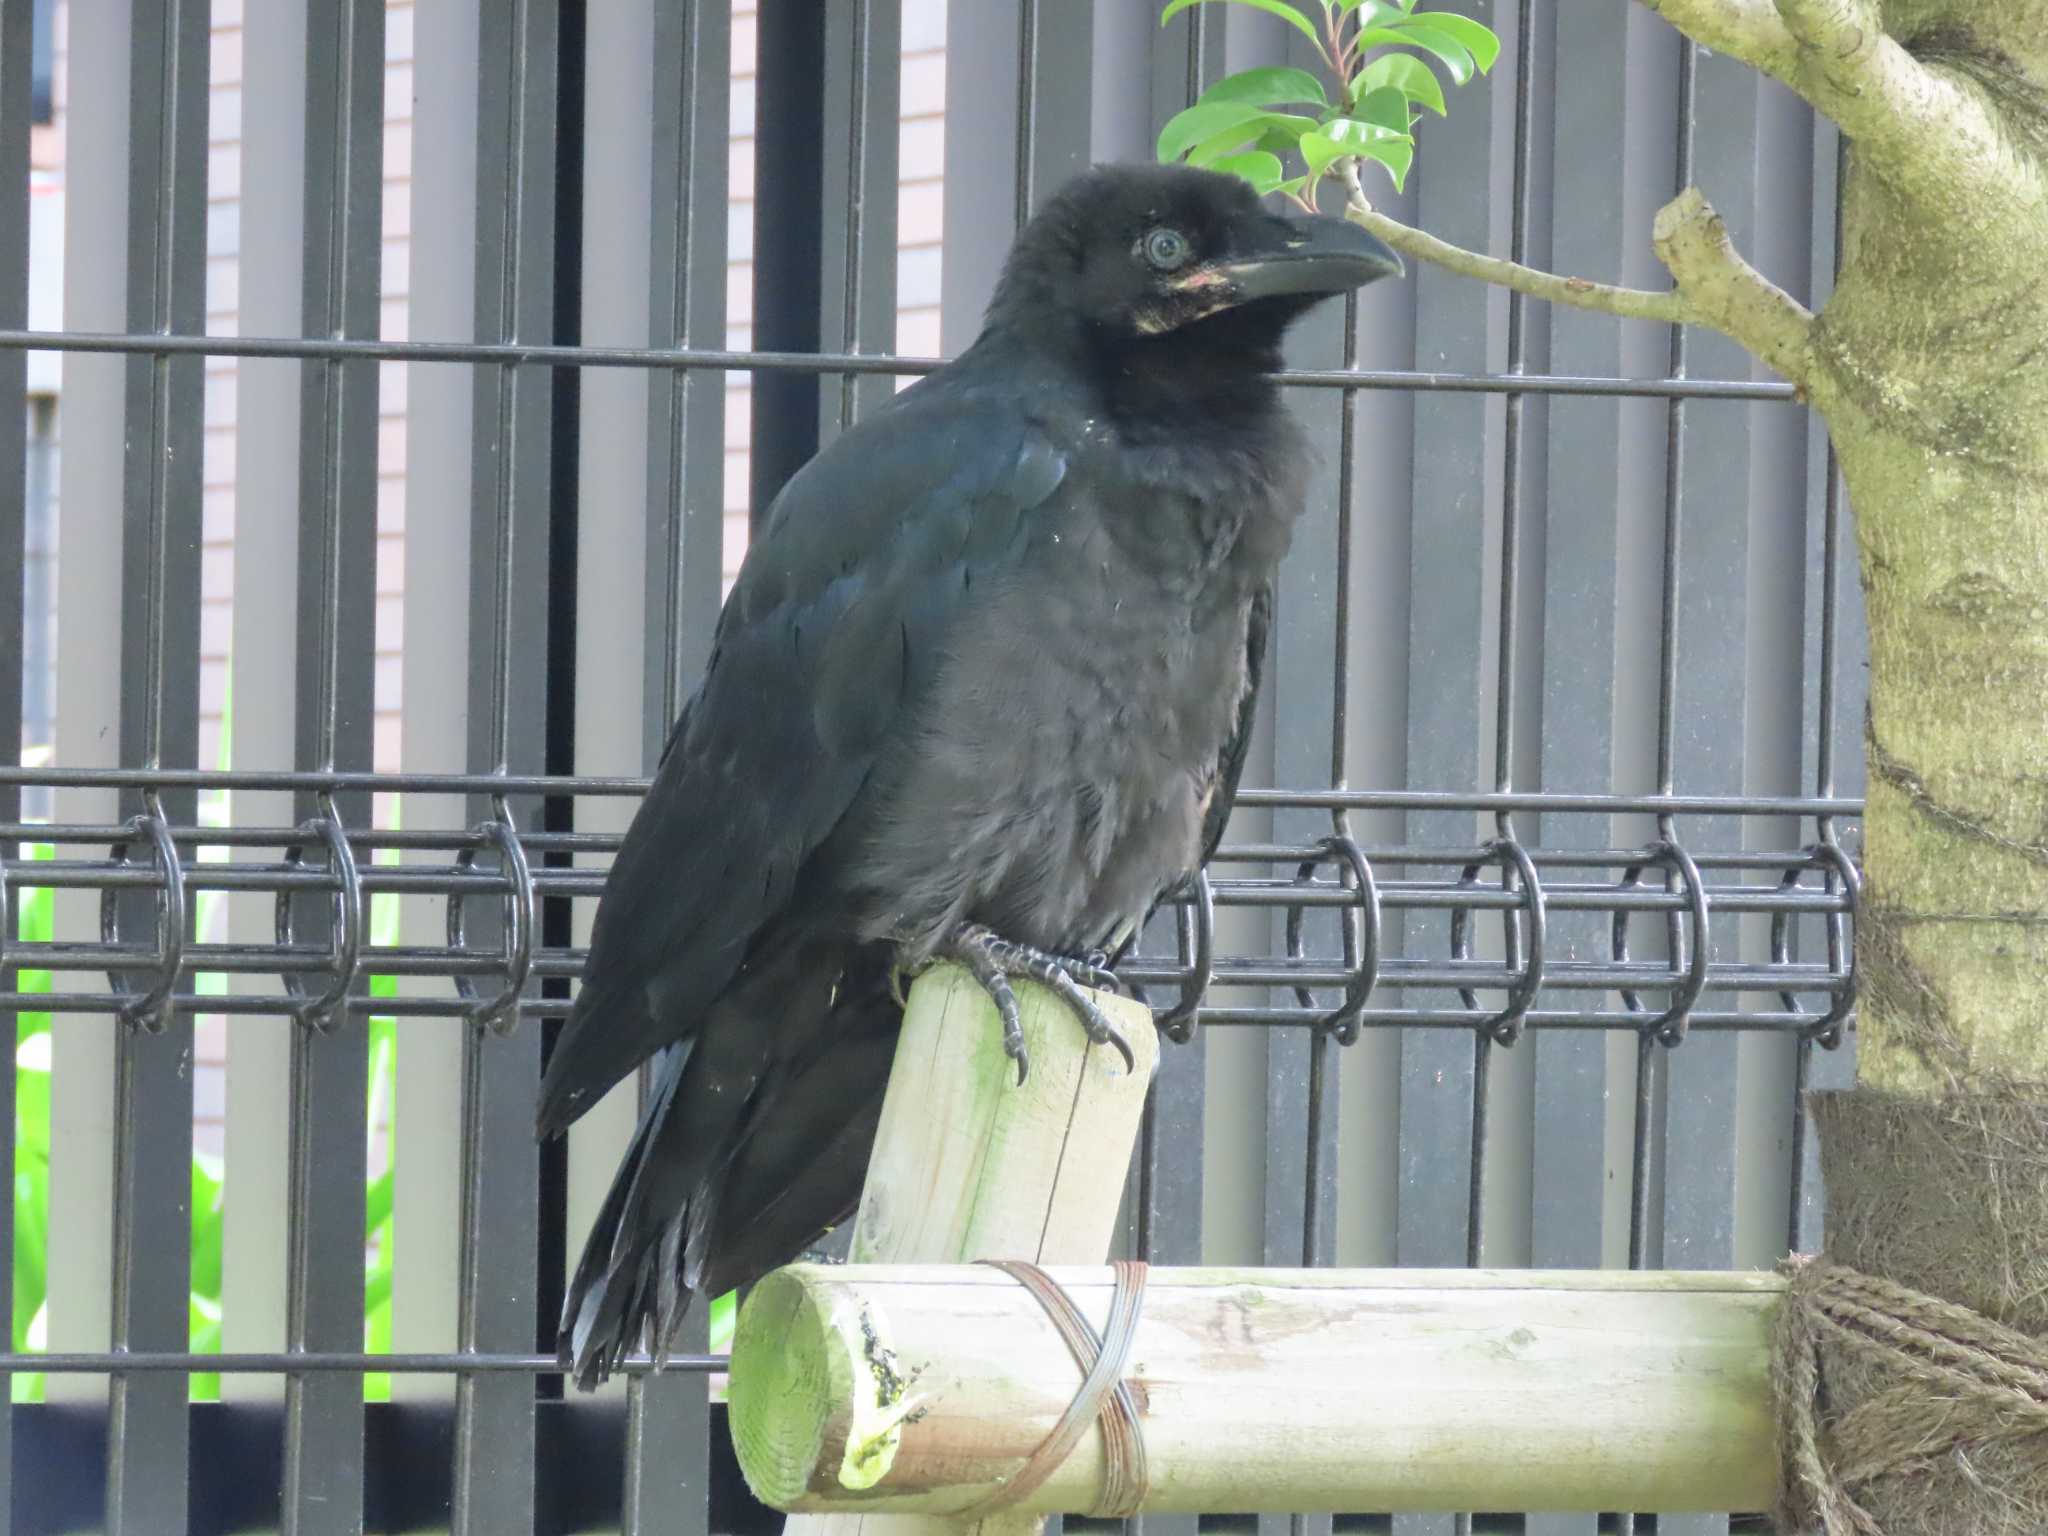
1657 124
613 639
147 1473
270 299
668 1420
1308 745
1774 693
89 608
337 577
1569 1216
1441 1102
509 623
1579 625
1504 1084
17 29
1702 693
686 411
1838 704
1452 445
441 443
857 287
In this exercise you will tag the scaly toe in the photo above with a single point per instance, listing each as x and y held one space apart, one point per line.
1093 1020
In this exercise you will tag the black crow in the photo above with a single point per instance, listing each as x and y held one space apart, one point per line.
981 691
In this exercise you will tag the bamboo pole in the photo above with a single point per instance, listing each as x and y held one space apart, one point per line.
969 1165
1266 1390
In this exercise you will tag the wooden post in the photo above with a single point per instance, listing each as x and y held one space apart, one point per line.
1269 1390
969 1165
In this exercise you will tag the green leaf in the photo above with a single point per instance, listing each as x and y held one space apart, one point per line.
1267 88
1352 136
1385 107
1410 34
377 1196
1274 132
1278 8
1405 73
208 1236
1262 170
1292 186
1203 122
1475 37
1319 149
1374 11
1394 155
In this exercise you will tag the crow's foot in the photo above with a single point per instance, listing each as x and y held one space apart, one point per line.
996 961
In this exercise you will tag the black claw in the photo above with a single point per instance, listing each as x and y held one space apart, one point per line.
993 961
1093 1019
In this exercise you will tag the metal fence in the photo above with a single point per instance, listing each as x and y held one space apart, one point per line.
1525 960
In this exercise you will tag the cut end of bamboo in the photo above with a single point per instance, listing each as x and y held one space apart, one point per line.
787 1368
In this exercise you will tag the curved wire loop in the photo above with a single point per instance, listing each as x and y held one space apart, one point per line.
1670 1026
1195 930
325 1013
1361 937
500 1014
1506 1026
1361 933
148 1010
1828 1028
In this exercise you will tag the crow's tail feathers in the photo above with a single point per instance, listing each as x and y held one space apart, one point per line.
754 1141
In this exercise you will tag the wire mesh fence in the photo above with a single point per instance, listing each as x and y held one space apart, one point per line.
1576 588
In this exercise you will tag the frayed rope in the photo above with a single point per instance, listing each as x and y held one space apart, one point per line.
1958 1381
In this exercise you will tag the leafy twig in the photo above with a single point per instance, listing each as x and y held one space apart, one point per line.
1714 286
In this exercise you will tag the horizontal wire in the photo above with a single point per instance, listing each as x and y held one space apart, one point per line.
514 784
345 349
147 853
282 1363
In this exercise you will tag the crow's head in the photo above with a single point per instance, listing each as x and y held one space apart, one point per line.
1140 251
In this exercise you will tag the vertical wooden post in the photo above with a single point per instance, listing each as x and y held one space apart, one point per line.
968 1165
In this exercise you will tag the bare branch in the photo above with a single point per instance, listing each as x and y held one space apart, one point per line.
1749 30
1724 291
1629 303
1715 287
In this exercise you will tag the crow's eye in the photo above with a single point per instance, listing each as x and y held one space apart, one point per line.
1167 249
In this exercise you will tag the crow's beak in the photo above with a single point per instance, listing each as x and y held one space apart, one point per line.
1315 255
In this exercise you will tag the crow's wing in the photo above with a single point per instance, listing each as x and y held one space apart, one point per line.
1230 767
832 631
1229 763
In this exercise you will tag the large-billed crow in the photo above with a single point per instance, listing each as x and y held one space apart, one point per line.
981 691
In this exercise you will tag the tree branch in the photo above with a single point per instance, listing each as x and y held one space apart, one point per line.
1749 30
1930 132
1725 292
1714 286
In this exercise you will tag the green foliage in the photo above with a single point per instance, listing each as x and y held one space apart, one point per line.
1381 92
34 923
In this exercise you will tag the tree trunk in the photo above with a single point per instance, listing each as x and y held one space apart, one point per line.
1930 364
